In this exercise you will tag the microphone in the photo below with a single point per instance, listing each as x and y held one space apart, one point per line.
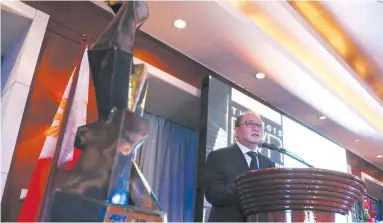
268 145
283 151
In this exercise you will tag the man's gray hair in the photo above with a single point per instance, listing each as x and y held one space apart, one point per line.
240 117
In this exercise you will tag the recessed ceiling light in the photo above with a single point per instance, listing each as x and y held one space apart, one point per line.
260 75
379 156
323 117
356 140
179 24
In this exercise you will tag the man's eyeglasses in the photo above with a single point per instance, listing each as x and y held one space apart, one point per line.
252 125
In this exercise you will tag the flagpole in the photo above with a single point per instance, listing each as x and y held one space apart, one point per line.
63 125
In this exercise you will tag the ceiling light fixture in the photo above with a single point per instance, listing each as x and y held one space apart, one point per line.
179 24
379 156
356 140
260 75
323 117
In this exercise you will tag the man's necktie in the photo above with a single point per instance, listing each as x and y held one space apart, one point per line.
254 165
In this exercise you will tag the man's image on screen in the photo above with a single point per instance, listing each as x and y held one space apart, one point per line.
224 165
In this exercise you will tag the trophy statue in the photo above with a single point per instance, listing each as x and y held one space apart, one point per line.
106 184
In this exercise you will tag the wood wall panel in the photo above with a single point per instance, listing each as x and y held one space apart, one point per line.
51 76
359 165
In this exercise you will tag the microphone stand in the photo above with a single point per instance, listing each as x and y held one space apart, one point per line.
297 158
284 151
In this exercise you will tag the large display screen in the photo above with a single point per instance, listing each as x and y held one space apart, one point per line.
312 147
226 103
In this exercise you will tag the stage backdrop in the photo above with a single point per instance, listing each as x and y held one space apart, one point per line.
168 161
225 103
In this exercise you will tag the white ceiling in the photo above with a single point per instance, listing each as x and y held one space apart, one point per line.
173 103
235 48
363 21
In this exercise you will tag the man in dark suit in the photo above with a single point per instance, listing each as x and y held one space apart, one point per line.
224 165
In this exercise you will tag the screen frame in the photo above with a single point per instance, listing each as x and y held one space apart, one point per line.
203 121
260 100
201 156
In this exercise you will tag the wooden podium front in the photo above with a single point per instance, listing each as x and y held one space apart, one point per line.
298 195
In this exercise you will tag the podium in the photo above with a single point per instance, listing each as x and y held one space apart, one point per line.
298 195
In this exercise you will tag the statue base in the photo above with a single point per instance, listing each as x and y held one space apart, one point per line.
69 207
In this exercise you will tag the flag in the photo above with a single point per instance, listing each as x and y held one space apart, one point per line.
77 117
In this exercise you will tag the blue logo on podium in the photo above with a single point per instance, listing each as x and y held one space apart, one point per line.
118 217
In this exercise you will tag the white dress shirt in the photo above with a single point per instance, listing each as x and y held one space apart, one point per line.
245 150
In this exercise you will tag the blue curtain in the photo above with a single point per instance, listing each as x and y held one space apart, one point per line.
168 160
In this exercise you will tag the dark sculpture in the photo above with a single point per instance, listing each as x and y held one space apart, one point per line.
111 59
106 179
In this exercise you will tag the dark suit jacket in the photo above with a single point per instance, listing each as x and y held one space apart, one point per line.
221 169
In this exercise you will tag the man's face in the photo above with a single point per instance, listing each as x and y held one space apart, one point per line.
251 129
